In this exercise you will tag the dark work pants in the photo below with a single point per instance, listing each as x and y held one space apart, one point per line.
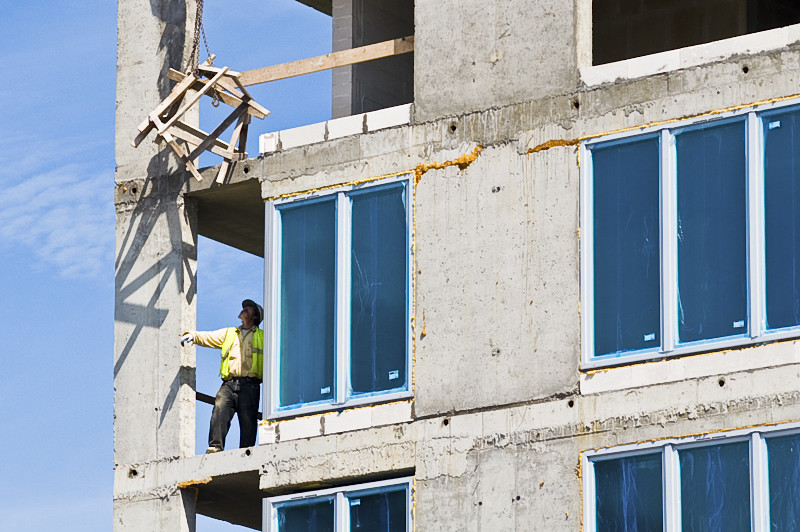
239 396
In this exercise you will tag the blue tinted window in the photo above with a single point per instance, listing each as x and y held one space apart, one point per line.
784 482
384 511
715 488
629 494
782 218
379 274
307 302
312 516
712 260
626 246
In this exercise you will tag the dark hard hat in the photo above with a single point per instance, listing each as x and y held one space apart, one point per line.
259 309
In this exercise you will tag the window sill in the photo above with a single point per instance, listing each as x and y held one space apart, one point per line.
325 423
690 56
635 375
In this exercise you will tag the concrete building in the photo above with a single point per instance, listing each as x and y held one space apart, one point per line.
558 291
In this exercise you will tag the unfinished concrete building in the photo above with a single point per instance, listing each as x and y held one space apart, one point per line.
541 274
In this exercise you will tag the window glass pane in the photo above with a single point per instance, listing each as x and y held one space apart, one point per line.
626 247
315 516
307 288
629 494
781 218
379 284
784 482
715 488
712 260
379 512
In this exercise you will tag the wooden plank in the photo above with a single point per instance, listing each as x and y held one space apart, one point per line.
255 110
176 93
324 62
214 70
237 131
193 100
195 137
187 160
214 135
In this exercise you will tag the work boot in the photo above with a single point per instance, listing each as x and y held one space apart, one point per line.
212 450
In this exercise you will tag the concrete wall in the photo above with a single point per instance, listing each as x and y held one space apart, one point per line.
154 405
472 54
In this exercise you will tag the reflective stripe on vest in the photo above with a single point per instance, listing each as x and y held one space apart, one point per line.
258 352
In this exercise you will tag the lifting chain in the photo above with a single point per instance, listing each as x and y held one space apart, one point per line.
194 56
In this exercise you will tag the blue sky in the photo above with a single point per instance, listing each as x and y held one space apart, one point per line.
57 239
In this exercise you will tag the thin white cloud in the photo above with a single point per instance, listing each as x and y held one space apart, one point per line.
62 214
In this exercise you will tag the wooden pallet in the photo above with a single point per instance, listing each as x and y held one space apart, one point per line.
189 142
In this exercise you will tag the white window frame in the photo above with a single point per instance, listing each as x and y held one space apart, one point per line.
670 476
342 320
341 509
756 305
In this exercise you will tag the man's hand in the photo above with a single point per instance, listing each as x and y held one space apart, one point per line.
187 338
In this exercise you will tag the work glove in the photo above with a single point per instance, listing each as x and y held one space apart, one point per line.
187 338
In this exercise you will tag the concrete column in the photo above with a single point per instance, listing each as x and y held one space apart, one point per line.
470 54
342 78
156 251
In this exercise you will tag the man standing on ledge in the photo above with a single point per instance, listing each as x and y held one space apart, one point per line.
241 369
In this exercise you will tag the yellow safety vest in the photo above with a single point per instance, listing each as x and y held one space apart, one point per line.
258 352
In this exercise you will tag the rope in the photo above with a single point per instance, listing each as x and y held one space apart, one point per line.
194 56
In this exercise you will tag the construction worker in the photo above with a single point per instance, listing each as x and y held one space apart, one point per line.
241 369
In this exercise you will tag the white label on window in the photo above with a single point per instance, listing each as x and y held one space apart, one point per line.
738 324
326 389
649 337
355 502
394 374
774 125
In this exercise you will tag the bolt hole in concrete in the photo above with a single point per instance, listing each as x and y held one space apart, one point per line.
570 403
247 452
453 128
721 383
745 69
246 169
576 104
446 422
132 473
496 189
480 503
133 190
517 497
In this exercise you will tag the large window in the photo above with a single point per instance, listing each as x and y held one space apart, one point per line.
691 238
339 291
739 481
375 507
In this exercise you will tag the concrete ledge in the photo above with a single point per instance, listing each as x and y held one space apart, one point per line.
351 419
690 56
690 367
334 129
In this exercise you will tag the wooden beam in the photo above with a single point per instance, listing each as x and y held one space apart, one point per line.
232 99
192 100
352 56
